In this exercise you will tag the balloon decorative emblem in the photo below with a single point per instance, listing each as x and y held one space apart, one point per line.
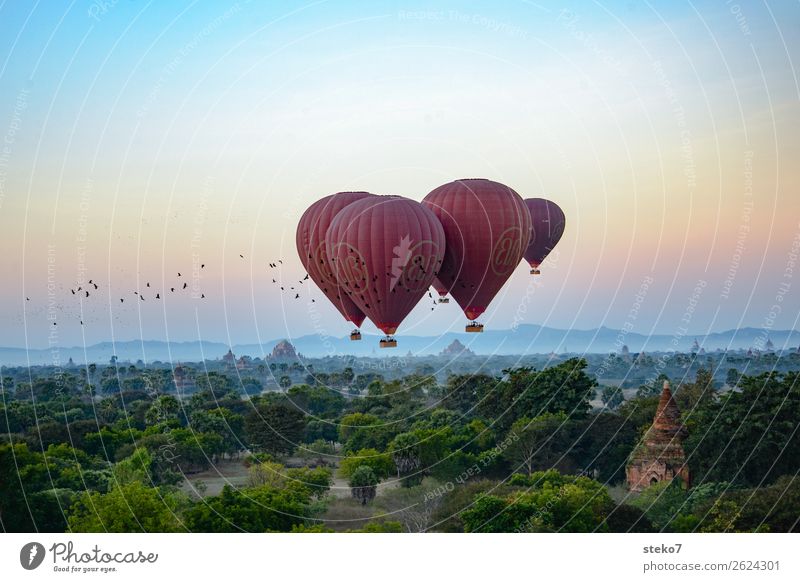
487 227
385 252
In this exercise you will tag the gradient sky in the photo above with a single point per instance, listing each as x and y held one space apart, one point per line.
139 138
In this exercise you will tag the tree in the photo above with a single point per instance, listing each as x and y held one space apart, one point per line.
163 409
267 474
275 428
612 397
463 393
539 443
261 509
221 421
747 437
732 377
662 503
363 484
380 463
551 502
133 507
563 388
695 394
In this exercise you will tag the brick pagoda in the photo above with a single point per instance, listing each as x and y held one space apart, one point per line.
660 456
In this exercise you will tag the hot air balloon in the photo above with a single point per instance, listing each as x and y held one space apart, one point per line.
547 226
310 240
441 289
385 252
487 227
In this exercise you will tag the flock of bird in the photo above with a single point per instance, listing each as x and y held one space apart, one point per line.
87 290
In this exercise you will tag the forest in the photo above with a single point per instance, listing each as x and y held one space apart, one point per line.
121 449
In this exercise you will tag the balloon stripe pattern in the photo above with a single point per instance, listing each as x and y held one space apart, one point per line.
310 241
487 228
385 252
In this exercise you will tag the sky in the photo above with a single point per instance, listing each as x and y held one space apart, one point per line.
142 139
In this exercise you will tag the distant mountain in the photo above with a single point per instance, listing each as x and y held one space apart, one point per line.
525 339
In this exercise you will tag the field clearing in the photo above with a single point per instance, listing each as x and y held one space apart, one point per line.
229 472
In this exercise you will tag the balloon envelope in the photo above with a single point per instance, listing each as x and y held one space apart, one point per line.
385 252
547 226
310 240
440 287
487 227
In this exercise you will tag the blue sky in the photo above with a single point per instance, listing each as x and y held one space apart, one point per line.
143 134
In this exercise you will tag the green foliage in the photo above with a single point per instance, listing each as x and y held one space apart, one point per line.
662 503
552 502
317 400
612 397
275 428
363 431
261 509
537 444
363 483
381 464
747 437
132 507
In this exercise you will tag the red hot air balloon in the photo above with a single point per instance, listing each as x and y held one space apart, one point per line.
487 227
547 226
310 240
385 252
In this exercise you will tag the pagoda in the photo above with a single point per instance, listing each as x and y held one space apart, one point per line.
456 348
660 456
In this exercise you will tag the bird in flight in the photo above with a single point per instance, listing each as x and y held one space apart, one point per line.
184 285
